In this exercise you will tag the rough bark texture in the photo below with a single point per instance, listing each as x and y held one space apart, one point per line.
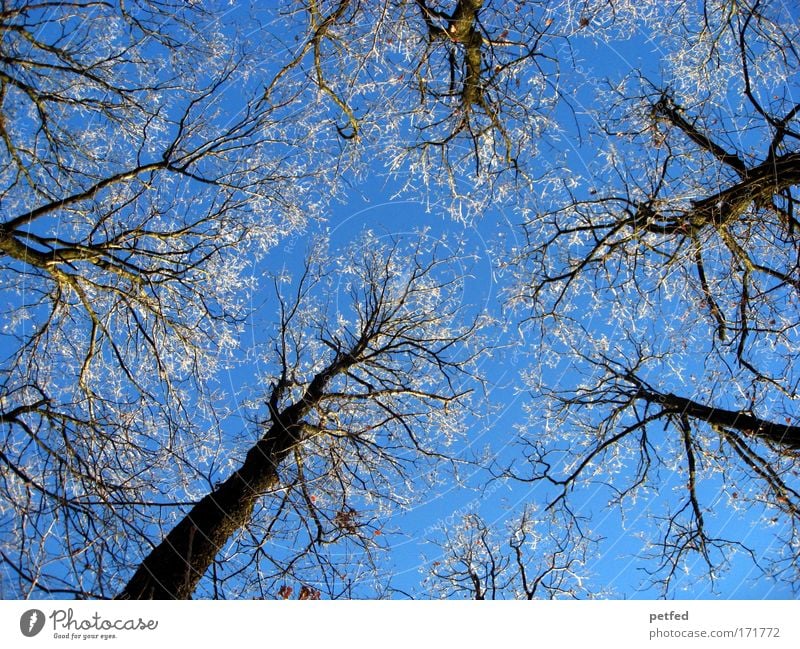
462 28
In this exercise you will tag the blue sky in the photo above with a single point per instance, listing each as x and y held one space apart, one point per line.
618 567
378 202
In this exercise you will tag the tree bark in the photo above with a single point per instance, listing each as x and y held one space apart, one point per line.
759 184
783 435
175 566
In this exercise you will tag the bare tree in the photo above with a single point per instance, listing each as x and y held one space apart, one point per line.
454 96
352 403
152 153
136 197
539 557
664 294
150 158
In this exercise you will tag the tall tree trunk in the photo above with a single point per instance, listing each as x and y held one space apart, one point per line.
175 566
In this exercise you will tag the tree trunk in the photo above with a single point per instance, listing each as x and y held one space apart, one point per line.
174 567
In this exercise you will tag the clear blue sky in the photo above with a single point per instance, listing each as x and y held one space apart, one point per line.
616 568
373 204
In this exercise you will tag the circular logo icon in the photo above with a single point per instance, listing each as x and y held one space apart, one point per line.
31 622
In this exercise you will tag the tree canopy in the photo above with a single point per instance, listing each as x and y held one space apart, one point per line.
172 176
